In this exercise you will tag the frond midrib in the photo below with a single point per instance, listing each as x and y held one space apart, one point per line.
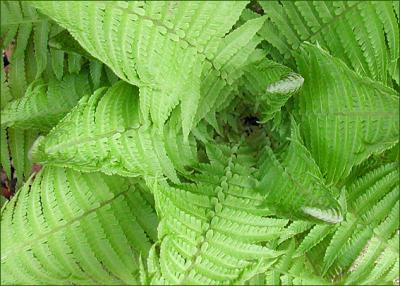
203 235
78 141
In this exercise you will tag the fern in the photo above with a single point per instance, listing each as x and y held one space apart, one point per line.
104 133
365 245
34 110
199 142
343 129
32 32
364 34
269 85
289 271
182 30
25 33
211 232
293 183
96 221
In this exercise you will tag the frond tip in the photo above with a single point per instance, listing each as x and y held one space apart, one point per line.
44 104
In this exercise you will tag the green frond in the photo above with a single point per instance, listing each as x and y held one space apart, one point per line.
24 24
193 32
25 34
268 86
293 185
104 133
18 143
206 235
5 157
288 270
199 142
314 237
43 105
221 78
364 34
344 118
70 227
5 95
295 228
365 242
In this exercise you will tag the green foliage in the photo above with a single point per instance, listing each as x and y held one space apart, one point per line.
268 86
364 34
76 228
294 185
342 127
363 248
200 142
214 231
44 104
104 133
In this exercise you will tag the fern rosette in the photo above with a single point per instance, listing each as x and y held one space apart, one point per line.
199 142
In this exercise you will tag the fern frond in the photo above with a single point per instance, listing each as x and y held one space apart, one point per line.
43 105
17 145
344 118
69 227
288 270
192 32
314 237
365 242
268 85
213 231
295 228
104 133
293 185
25 33
364 34
22 23
4 155
5 95
221 79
